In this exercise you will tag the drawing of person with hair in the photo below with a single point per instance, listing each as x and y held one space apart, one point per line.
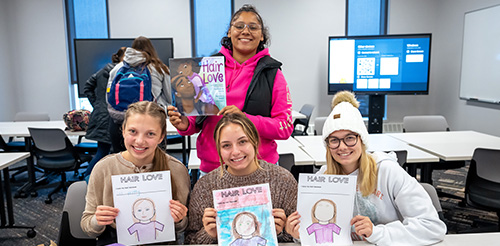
246 230
324 216
144 215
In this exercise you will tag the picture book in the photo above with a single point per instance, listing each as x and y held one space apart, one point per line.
325 204
198 85
143 200
244 216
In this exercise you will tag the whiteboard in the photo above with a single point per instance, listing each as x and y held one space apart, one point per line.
480 72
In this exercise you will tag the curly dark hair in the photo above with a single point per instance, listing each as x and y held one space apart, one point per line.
226 41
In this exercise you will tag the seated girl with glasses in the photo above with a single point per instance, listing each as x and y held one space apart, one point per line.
391 207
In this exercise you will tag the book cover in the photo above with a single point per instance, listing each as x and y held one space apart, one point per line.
198 85
325 204
143 200
244 216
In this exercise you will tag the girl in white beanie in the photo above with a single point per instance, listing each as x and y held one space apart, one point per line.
391 207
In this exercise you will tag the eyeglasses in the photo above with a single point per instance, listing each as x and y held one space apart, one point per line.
252 27
349 140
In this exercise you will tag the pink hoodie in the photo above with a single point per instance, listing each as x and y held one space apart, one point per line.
278 126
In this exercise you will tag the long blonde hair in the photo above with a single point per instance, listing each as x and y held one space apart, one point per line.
367 176
160 160
248 128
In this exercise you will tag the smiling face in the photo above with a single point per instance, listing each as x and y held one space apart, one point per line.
245 42
347 157
184 87
236 150
324 212
144 210
141 134
185 68
245 226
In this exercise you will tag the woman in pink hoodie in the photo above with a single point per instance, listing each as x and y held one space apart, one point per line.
255 86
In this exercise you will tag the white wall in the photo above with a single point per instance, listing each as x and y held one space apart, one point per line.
7 85
38 57
299 39
152 19
444 19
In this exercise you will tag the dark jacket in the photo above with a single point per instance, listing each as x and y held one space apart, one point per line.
95 90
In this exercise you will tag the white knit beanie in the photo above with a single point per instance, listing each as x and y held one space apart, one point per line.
345 116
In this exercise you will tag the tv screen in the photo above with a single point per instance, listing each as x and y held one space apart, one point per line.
384 64
93 54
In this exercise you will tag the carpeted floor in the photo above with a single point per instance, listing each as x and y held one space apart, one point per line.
47 217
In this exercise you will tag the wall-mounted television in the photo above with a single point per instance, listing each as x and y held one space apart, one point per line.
378 65
93 54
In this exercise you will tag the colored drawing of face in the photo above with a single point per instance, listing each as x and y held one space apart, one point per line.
185 69
144 210
324 211
245 225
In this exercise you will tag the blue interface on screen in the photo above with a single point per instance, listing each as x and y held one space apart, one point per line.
388 65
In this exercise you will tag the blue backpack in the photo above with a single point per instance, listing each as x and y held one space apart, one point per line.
130 85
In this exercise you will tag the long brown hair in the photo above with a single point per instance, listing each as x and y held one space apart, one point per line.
160 160
144 45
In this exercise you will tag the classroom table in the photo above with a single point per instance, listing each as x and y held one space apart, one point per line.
448 145
289 145
20 129
314 146
484 239
297 115
7 220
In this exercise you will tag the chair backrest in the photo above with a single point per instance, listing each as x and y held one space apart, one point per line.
318 125
425 123
402 156
71 232
487 164
435 199
287 161
31 116
49 139
307 110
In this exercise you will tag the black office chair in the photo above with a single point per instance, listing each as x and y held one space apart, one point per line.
482 186
306 110
430 123
55 154
70 232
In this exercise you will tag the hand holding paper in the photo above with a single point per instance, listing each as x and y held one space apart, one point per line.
105 215
209 222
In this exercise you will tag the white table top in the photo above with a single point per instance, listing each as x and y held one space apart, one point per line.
297 115
7 159
449 146
485 239
284 146
313 145
20 128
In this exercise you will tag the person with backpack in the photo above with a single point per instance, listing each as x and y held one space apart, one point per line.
95 90
255 86
141 76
